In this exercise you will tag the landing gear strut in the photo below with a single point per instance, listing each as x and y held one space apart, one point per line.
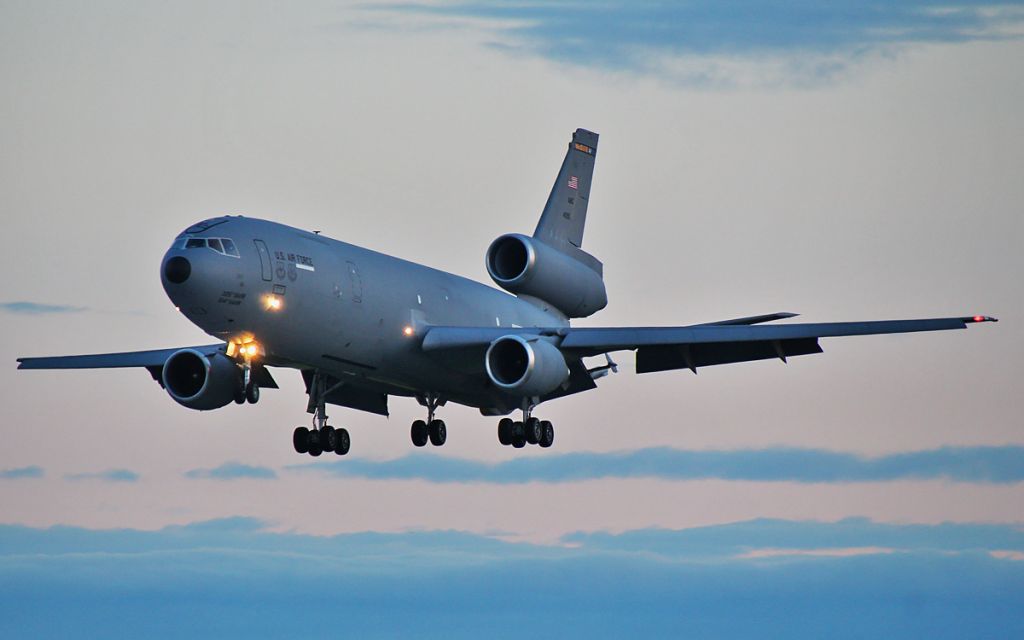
432 430
529 430
322 437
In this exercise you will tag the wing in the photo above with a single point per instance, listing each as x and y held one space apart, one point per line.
690 347
153 361
154 358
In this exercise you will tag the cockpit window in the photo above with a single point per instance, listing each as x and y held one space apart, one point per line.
223 246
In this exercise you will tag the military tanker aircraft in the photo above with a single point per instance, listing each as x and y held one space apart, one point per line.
362 326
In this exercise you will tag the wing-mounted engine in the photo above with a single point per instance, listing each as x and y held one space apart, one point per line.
529 267
525 367
200 381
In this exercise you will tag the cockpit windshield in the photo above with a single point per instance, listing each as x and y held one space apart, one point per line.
223 246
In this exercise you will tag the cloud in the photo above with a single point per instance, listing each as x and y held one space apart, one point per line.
234 577
111 475
22 472
37 308
817 39
961 464
233 471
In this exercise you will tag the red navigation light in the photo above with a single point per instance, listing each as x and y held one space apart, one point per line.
979 318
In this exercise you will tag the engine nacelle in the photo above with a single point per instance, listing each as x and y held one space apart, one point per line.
523 265
201 382
525 367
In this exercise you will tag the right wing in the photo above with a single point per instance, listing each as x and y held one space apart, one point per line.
153 361
153 358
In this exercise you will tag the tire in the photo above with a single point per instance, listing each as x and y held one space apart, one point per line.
343 442
438 433
328 438
419 433
239 396
505 431
252 393
518 435
315 448
547 434
532 431
300 440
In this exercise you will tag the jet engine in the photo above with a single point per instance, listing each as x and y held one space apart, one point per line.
526 266
201 382
525 367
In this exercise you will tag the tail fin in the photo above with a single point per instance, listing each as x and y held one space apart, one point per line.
565 214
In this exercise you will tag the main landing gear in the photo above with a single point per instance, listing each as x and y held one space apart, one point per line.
431 430
529 430
322 437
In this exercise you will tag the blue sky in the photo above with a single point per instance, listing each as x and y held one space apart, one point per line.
232 578
632 36
845 160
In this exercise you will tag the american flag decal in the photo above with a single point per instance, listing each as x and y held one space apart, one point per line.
574 182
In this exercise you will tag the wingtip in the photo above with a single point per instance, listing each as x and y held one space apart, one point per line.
979 318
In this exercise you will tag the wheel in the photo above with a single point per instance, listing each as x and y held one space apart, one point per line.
315 448
239 396
518 435
438 433
343 442
505 431
300 439
419 433
547 434
531 430
252 393
328 438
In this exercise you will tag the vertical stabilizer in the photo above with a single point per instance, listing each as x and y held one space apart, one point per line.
565 214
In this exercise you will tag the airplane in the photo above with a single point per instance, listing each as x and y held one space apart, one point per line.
362 326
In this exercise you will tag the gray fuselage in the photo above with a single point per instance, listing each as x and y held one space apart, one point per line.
347 311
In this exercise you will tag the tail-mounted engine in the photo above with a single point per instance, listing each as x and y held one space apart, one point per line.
526 266
525 367
201 382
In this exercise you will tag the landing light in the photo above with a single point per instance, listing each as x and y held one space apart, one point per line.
272 302
245 348
407 331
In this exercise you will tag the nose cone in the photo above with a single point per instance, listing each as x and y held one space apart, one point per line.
177 269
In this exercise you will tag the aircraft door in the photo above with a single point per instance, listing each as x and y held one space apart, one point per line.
357 282
266 265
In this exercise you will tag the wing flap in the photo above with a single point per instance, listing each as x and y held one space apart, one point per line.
600 340
691 356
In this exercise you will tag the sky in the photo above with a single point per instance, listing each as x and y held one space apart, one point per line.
845 160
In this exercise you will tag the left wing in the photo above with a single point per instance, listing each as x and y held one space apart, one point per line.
690 347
